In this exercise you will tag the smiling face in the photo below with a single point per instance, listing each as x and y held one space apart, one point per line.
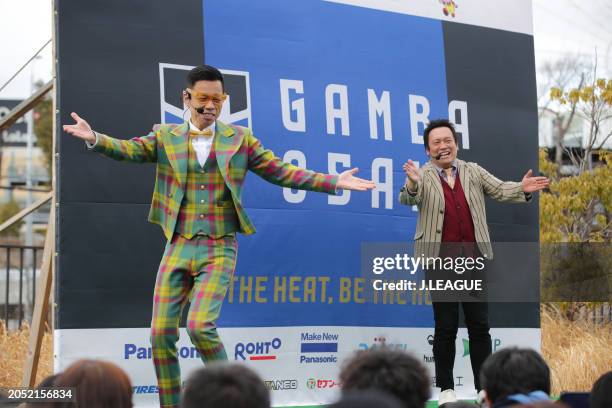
442 143
209 96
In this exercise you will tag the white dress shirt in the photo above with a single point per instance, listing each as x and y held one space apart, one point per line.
202 145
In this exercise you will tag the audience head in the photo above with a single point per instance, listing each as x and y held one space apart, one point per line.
48 381
98 384
461 404
601 394
4 398
367 399
225 386
390 371
513 371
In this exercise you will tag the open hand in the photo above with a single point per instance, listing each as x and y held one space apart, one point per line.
412 172
80 129
531 184
347 181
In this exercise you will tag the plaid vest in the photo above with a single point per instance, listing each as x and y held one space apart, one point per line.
207 207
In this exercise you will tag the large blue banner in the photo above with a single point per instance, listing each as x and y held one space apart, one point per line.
329 93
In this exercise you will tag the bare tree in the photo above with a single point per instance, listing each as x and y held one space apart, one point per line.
591 101
560 74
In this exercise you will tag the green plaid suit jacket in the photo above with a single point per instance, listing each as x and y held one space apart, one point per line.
429 199
237 151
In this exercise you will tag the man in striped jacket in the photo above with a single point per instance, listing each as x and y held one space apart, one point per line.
449 194
197 201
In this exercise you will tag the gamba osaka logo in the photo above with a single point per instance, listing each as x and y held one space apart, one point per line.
237 106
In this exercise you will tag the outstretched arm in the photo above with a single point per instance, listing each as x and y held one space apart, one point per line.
271 168
511 190
138 149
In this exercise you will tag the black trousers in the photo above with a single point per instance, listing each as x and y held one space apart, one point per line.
446 317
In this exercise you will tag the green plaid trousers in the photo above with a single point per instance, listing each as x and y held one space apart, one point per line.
197 270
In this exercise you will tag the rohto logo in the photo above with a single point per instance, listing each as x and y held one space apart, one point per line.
261 350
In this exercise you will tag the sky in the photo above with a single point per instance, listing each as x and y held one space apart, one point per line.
561 27
19 44
574 27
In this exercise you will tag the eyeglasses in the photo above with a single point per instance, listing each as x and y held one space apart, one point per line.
204 98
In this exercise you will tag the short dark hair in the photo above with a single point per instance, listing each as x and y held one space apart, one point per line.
204 73
514 370
461 404
436 123
367 399
391 371
47 382
98 383
223 385
600 394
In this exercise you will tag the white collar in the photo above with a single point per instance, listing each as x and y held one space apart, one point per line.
211 127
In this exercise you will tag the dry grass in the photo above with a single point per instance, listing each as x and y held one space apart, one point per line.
13 353
577 352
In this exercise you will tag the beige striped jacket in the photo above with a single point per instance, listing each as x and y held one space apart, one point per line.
429 199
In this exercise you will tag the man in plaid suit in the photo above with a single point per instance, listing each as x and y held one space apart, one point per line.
201 167
449 194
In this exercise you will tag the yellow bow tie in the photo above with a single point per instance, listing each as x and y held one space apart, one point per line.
206 133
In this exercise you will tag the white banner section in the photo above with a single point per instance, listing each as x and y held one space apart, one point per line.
300 365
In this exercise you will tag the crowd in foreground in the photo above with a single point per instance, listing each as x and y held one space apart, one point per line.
381 378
